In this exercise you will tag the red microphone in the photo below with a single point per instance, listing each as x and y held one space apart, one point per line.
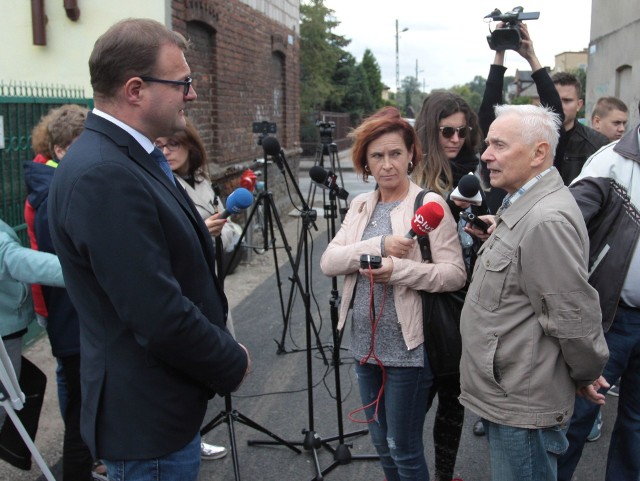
426 219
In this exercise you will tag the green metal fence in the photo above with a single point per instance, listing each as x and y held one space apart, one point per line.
21 107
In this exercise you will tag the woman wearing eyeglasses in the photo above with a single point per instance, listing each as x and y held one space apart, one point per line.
450 137
188 158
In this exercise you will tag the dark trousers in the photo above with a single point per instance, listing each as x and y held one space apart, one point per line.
76 458
447 426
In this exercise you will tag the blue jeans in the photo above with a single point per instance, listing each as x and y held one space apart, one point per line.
524 454
180 465
623 461
397 432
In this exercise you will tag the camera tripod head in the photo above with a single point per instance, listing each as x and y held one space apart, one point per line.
263 128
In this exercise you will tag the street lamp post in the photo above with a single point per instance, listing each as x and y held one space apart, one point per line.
398 56
417 72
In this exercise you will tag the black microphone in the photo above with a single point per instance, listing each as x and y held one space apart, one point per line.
327 180
271 147
468 190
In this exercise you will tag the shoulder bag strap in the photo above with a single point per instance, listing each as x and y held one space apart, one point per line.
423 241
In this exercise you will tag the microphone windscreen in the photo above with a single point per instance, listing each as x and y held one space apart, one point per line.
469 186
238 200
271 146
318 174
427 218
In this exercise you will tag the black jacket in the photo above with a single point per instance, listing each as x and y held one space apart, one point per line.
138 263
580 143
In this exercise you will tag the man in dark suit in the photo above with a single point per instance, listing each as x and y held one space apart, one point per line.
139 265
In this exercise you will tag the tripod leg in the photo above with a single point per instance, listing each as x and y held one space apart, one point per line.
319 160
234 447
252 424
295 267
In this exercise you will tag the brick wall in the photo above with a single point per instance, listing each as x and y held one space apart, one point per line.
245 69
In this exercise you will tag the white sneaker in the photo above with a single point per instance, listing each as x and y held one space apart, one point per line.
209 451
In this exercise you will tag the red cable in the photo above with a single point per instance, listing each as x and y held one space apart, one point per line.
372 353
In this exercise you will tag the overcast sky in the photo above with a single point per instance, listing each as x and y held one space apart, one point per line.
448 38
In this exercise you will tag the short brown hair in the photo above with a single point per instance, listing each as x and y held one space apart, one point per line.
66 123
384 121
566 78
129 48
605 105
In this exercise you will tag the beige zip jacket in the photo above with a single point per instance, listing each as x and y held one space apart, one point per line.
410 274
531 330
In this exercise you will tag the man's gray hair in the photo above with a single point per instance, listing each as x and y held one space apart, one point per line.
538 123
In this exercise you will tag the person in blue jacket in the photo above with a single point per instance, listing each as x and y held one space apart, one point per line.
20 267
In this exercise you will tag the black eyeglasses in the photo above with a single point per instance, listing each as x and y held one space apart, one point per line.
447 132
186 83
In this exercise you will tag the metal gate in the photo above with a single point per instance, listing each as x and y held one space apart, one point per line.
21 107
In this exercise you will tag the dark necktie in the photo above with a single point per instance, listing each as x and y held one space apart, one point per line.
162 161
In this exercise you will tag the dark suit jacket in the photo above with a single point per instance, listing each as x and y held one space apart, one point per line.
138 264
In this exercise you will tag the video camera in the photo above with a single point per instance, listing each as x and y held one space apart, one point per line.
509 36
326 131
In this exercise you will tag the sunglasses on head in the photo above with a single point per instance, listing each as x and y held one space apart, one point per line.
447 132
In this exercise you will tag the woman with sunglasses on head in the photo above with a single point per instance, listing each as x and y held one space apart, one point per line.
448 131
188 159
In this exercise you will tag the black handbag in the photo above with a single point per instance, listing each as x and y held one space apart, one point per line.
13 449
441 319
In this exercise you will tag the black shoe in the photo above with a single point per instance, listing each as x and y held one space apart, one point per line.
478 428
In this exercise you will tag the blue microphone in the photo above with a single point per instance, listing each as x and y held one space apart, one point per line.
237 201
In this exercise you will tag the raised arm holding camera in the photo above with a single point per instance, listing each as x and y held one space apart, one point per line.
547 92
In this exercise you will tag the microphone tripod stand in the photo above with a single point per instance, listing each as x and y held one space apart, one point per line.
331 149
264 201
312 440
341 453
231 415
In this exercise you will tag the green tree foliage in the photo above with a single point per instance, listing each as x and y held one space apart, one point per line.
331 78
410 97
522 100
473 98
320 52
371 68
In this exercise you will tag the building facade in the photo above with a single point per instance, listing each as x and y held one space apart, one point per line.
244 59
614 63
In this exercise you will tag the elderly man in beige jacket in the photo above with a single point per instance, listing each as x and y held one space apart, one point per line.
531 324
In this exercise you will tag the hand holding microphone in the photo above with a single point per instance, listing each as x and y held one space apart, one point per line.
237 201
468 191
425 220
